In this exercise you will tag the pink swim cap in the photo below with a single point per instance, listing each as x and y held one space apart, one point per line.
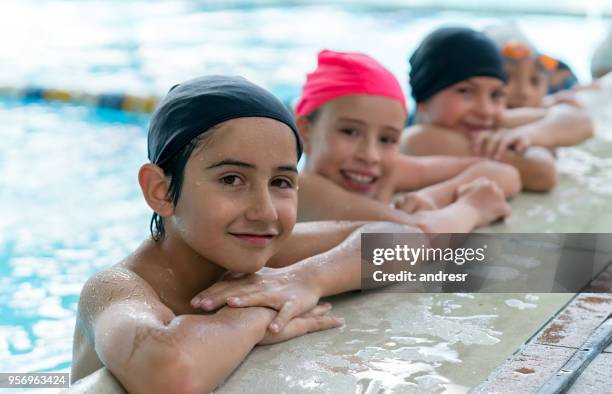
341 74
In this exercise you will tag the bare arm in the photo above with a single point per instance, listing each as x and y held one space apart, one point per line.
149 349
321 199
516 117
561 125
311 238
536 166
506 177
417 172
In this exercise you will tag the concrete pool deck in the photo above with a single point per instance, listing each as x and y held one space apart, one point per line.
408 343
548 355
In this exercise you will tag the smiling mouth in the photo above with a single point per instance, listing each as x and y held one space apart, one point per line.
254 239
357 181
474 128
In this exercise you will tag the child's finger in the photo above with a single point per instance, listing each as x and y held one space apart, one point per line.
477 142
408 205
209 292
503 145
303 325
520 146
216 295
318 310
320 323
489 146
288 311
254 299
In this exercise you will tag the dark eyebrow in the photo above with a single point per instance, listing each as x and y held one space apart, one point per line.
238 163
289 168
230 162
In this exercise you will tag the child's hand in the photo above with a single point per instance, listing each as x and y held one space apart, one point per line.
415 202
289 290
493 144
317 319
486 198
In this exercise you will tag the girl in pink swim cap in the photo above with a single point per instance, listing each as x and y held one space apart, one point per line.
351 115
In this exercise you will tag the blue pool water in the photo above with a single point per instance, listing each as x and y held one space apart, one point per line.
70 200
70 207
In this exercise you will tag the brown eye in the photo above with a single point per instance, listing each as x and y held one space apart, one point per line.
388 140
348 131
465 91
282 183
231 180
498 95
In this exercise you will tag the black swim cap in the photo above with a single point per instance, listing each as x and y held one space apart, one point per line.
450 55
192 107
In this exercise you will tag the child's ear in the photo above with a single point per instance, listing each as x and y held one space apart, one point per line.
154 186
304 128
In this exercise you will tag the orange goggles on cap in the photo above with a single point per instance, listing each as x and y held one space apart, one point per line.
515 50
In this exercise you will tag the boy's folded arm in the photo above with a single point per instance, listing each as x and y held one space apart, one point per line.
149 349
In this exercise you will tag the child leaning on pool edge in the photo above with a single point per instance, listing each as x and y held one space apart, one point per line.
350 116
458 81
223 184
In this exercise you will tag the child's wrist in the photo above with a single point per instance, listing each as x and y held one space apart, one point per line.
259 315
313 275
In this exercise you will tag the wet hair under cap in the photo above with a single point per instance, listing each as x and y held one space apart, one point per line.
450 55
192 108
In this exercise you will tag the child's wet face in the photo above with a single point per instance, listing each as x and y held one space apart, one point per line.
527 83
468 106
239 196
354 142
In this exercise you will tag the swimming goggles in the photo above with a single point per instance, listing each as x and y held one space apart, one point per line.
515 50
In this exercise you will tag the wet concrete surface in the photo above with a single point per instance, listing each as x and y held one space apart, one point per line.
399 343
554 345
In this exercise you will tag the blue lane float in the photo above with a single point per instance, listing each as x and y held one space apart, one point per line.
118 101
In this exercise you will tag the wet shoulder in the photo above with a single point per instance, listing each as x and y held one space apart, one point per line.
106 287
